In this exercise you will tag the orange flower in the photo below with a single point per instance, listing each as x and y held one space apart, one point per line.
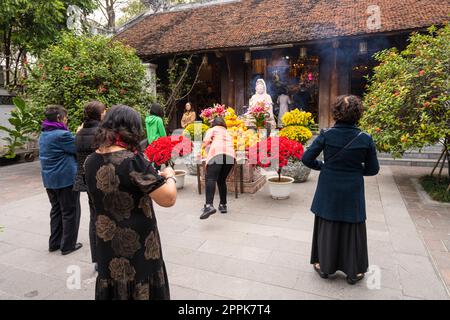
66 68
101 89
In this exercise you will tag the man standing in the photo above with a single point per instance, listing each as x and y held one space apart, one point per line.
58 167
302 98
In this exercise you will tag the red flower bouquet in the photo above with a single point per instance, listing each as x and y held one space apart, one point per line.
275 152
165 150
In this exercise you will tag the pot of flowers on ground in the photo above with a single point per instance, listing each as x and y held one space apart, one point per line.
196 132
167 151
276 152
297 126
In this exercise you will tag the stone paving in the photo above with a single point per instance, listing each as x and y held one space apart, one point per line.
432 219
260 250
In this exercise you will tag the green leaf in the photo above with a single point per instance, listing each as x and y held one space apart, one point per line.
2 128
14 121
19 103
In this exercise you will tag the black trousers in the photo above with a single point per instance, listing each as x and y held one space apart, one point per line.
64 218
217 172
92 234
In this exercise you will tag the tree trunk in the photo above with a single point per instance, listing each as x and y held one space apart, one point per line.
447 143
7 51
437 162
16 68
442 165
111 14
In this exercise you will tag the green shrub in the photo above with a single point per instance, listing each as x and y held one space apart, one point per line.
407 102
78 69
23 124
436 188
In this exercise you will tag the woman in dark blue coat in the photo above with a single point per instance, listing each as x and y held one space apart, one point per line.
94 112
339 238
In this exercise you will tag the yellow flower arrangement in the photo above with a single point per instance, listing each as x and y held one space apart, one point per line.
298 133
297 118
232 120
191 128
243 138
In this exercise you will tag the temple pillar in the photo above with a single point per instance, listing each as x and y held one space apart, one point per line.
329 82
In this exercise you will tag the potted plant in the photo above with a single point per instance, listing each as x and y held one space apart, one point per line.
195 131
166 150
276 152
23 124
297 126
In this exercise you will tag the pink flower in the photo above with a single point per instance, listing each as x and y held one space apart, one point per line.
219 109
206 113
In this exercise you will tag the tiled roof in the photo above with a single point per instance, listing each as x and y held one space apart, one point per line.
249 23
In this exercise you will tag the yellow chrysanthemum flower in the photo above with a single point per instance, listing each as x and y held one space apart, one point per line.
297 118
298 133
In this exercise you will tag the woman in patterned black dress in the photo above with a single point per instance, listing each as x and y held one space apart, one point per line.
123 185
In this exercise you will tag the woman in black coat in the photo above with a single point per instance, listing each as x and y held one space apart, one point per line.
339 238
94 112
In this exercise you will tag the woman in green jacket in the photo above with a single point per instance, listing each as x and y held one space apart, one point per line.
154 123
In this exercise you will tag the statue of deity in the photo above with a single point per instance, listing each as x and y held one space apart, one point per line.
261 95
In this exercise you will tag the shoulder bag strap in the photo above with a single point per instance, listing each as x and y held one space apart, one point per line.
345 147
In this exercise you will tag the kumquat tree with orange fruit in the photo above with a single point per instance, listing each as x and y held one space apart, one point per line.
407 102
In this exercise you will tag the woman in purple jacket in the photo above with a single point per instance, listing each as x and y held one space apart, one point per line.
59 167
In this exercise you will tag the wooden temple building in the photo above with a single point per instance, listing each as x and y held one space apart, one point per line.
324 46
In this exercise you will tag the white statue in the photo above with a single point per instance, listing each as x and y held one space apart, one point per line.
261 95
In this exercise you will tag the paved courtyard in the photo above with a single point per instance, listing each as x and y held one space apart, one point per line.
260 250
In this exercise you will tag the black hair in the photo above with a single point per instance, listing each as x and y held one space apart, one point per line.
157 110
55 112
347 108
219 122
120 122
93 110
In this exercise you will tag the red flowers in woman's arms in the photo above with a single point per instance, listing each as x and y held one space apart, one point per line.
165 150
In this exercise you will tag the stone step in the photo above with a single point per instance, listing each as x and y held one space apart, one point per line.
408 162
433 155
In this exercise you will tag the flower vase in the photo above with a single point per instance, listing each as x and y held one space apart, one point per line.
191 159
280 187
296 170
180 175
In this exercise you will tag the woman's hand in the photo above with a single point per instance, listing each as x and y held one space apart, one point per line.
167 172
166 195
79 128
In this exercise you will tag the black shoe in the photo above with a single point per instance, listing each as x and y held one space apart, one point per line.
321 274
53 249
207 211
355 280
77 246
223 208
